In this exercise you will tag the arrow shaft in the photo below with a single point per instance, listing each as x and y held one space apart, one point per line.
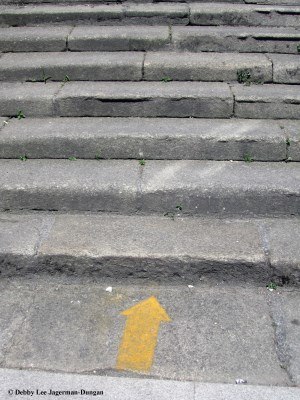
138 344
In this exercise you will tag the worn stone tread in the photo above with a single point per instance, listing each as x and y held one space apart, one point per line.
120 246
198 187
149 138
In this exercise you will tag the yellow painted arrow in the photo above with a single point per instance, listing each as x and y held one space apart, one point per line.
138 344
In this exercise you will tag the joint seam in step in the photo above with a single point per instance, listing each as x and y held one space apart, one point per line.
68 37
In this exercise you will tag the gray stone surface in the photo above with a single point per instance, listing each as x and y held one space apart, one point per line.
284 251
148 389
156 248
267 101
135 99
115 38
207 187
69 185
104 14
33 99
237 39
206 66
149 138
286 69
245 15
78 327
292 131
24 39
38 14
77 66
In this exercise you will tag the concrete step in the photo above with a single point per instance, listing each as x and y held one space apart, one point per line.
150 38
150 99
154 14
160 249
153 66
136 388
163 187
151 138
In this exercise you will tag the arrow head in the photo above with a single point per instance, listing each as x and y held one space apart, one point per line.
150 308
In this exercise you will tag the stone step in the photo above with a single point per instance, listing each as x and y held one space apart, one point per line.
260 2
150 38
157 248
152 66
151 138
163 187
150 99
154 14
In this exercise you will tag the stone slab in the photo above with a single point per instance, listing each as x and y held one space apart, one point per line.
103 14
33 99
148 138
77 66
222 188
206 340
284 250
23 39
118 38
245 15
69 185
292 131
155 99
286 69
267 101
121 247
206 66
236 39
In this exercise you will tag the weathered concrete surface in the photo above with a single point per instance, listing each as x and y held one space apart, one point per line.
285 314
206 66
286 69
18 39
135 389
70 185
118 38
104 14
200 187
292 130
149 138
267 101
112 66
75 327
284 252
136 99
245 15
33 99
237 39
220 187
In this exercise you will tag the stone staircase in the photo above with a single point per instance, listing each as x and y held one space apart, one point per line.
155 141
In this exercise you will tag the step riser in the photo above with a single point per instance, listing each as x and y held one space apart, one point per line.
210 67
198 187
156 14
157 99
109 138
193 39
122 247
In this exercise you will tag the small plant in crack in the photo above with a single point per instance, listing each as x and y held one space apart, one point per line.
66 78
98 157
179 207
298 48
72 158
142 162
244 76
248 158
20 115
45 78
170 214
288 142
166 79
23 158
272 286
